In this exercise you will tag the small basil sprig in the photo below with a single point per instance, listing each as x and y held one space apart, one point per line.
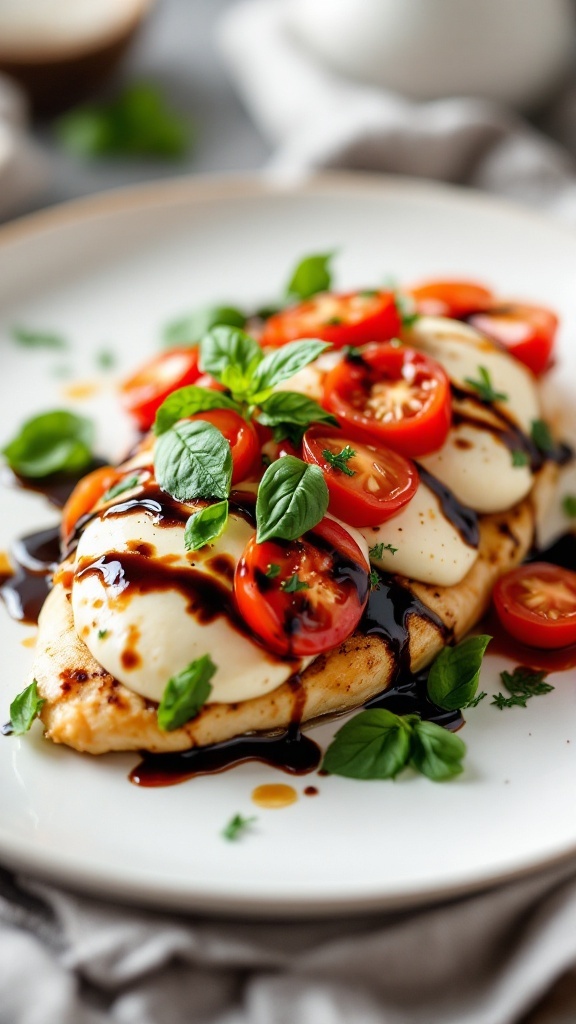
310 276
25 707
378 744
292 498
289 414
193 460
454 675
205 526
52 442
185 693
190 328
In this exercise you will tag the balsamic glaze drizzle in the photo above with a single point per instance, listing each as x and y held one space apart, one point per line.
463 518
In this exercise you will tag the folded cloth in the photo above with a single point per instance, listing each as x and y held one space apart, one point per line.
487 959
23 167
319 119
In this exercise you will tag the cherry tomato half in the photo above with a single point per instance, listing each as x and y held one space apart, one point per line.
87 492
454 299
536 604
374 483
528 332
241 435
393 395
350 319
142 394
305 596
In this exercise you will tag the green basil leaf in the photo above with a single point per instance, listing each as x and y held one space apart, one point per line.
373 745
123 485
290 414
292 498
205 526
231 356
436 753
193 460
237 826
53 442
189 329
187 402
282 364
38 339
25 708
185 693
454 675
310 276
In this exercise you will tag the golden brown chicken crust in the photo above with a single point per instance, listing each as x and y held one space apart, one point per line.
86 708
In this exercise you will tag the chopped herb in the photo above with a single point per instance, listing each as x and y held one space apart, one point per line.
569 505
294 584
475 701
352 352
333 321
540 434
102 633
374 580
236 827
340 459
272 571
25 707
138 122
368 293
406 309
378 550
519 458
121 487
105 359
522 684
484 387
38 339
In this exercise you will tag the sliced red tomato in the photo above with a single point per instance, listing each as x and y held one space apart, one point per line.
392 395
353 318
144 392
528 332
366 488
87 492
305 596
242 437
536 604
450 298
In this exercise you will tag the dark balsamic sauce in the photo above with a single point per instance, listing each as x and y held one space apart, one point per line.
57 487
463 519
35 556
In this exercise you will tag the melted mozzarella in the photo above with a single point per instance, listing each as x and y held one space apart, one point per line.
143 639
462 350
478 469
429 547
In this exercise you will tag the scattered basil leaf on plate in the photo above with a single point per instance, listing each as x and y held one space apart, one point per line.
436 752
373 745
454 675
38 339
25 707
205 525
189 329
52 442
193 460
310 276
186 693
237 826
292 498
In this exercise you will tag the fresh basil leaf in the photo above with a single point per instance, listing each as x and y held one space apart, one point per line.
436 753
138 122
38 339
187 402
310 276
25 708
237 826
205 526
53 442
282 364
454 675
231 356
185 693
193 460
373 745
290 414
292 498
193 326
569 505
542 436
123 485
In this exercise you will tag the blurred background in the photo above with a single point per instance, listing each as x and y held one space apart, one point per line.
96 94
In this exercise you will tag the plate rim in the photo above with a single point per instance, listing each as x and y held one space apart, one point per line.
195 189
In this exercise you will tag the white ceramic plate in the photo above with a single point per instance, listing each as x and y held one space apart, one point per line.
108 273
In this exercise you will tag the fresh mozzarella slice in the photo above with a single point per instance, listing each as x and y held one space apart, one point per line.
428 547
143 636
462 351
477 467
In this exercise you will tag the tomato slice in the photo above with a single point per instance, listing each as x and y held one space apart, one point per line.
87 492
353 318
305 596
536 604
241 435
372 485
143 393
391 395
528 332
450 298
